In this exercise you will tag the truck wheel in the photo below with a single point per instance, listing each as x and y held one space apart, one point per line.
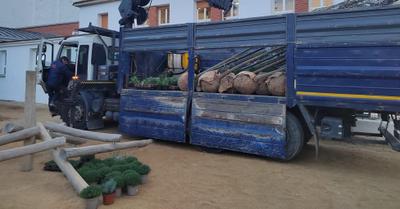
294 136
78 114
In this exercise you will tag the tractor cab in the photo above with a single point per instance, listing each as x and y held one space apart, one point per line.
94 67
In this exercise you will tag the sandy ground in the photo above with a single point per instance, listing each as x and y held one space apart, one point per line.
347 175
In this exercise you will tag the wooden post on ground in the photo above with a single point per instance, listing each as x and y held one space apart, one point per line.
67 169
30 115
30 149
101 148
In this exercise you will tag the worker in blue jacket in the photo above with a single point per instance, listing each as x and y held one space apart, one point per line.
58 78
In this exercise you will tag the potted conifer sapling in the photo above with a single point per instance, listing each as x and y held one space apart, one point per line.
132 180
108 189
143 170
91 195
118 178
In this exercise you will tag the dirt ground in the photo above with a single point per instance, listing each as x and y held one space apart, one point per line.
347 175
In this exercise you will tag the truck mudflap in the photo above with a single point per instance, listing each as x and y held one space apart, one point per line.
249 124
153 114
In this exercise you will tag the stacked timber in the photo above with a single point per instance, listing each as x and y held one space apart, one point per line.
259 71
54 141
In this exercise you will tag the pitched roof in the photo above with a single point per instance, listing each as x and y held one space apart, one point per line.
11 34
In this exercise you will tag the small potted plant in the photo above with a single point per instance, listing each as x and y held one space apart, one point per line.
132 180
117 177
91 195
143 170
108 189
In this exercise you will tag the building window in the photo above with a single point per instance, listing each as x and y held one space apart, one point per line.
203 11
163 15
315 4
3 63
103 20
283 6
234 12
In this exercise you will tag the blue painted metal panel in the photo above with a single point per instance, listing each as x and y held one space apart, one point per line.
240 123
252 32
362 70
357 26
153 114
171 37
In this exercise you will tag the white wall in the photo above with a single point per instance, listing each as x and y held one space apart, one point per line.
90 14
255 8
27 13
20 58
181 11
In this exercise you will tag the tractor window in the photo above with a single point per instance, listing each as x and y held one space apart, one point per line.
99 56
69 51
83 61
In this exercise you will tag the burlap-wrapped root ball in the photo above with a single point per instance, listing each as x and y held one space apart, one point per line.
244 82
183 81
277 84
209 81
226 84
262 86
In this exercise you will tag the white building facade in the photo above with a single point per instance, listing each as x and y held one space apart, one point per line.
18 57
187 11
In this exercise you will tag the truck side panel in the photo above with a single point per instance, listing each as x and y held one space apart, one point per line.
239 123
363 77
153 114
349 59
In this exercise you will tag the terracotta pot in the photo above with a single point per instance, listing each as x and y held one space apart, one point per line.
108 199
92 203
144 179
118 192
132 190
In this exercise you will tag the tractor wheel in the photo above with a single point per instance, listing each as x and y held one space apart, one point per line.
294 136
78 114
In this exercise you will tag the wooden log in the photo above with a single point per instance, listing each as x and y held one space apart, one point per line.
30 149
101 148
68 170
70 139
30 115
11 127
104 137
19 135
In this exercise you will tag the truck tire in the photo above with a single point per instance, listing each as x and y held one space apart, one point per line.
294 136
78 114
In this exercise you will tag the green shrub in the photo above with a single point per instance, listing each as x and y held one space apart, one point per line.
90 192
117 176
112 174
109 161
143 169
103 171
90 175
120 168
134 80
109 186
119 179
95 164
131 178
75 163
130 159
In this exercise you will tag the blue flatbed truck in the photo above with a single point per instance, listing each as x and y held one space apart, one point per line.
339 64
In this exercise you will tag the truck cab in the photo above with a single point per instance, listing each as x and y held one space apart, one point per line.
93 64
